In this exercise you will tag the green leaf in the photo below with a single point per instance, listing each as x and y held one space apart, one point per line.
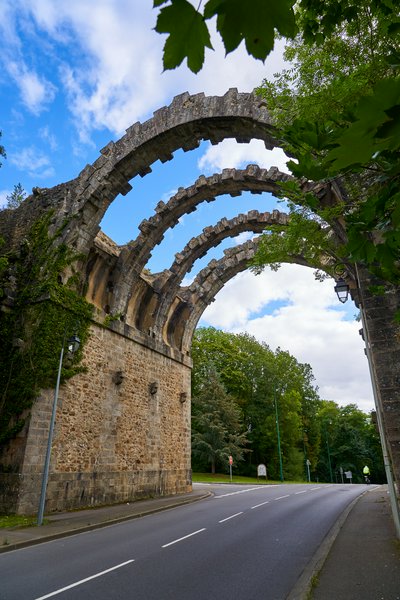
394 28
159 3
254 21
390 131
396 215
376 117
307 167
394 58
188 35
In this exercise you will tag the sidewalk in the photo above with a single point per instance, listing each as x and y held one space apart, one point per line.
364 560
359 559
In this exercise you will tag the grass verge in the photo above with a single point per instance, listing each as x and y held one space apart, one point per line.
7 521
222 478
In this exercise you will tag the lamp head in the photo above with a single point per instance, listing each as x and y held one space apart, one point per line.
342 290
73 344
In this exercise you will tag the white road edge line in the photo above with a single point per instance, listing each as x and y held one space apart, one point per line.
68 587
231 517
262 504
281 497
183 538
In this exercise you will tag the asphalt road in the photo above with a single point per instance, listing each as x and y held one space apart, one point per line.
244 543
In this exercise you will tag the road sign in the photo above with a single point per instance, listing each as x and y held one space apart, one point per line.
349 475
230 460
261 471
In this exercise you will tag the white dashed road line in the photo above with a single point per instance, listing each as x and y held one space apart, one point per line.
185 537
236 493
262 504
68 587
231 517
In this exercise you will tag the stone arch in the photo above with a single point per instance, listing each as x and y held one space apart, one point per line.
183 124
197 247
134 256
203 290
211 236
207 284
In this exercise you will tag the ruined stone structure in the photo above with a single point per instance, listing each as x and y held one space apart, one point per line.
123 426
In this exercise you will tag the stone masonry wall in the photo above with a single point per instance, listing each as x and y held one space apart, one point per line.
383 334
122 430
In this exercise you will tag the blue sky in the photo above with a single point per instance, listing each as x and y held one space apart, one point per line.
75 75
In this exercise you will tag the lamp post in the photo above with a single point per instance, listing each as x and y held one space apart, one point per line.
72 345
307 462
278 436
329 456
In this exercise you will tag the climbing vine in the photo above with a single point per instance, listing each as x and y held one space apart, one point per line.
40 310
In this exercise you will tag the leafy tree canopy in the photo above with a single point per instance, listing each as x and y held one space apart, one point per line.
239 387
255 379
340 117
349 441
217 428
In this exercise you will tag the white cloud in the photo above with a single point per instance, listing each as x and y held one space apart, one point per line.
306 320
49 137
32 161
36 92
118 78
243 237
230 154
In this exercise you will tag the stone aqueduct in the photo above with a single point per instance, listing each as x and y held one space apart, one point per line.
123 427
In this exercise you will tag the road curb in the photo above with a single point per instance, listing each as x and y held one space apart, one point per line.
83 529
304 584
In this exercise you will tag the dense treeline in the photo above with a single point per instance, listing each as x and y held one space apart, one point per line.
245 397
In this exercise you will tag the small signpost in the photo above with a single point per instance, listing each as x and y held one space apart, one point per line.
341 473
262 471
349 475
230 467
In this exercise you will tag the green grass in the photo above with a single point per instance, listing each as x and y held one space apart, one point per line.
221 478
7 521
224 478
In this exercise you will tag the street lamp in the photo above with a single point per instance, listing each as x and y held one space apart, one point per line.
72 346
279 436
342 290
329 455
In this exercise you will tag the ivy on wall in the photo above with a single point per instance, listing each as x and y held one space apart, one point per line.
44 310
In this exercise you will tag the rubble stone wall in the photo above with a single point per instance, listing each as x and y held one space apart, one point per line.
122 430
